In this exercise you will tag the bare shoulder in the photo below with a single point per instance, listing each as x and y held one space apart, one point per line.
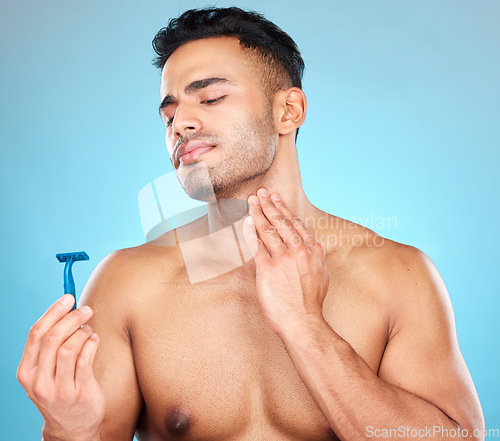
406 281
410 280
398 264
128 277
402 275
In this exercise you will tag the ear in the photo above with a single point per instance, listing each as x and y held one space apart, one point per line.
290 108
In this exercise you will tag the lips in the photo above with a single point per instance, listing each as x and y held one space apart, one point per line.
192 150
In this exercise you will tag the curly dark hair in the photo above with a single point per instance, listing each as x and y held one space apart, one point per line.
281 65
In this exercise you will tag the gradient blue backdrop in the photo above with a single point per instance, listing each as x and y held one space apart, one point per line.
403 123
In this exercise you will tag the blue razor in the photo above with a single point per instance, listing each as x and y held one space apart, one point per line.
69 282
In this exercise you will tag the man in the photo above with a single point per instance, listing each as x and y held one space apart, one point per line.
329 332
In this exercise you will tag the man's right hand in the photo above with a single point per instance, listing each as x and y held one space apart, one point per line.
56 372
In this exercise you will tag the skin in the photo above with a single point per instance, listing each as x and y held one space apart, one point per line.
327 330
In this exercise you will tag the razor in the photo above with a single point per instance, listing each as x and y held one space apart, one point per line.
69 282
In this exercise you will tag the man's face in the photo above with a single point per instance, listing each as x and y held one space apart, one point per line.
214 108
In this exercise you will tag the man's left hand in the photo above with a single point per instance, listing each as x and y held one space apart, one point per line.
291 278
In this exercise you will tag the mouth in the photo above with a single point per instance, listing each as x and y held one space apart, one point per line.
191 151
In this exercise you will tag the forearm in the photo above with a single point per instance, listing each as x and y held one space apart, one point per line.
350 395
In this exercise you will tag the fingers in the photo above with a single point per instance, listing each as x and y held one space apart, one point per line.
61 350
67 355
267 232
314 247
277 219
250 235
55 337
84 372
295 221
58 310
277 226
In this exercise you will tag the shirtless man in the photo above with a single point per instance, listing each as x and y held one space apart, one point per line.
329 332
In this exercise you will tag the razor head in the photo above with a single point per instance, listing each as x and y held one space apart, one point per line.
64 257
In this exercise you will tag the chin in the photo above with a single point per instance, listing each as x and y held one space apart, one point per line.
197 185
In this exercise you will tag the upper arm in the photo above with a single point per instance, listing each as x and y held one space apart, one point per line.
106 293
422 355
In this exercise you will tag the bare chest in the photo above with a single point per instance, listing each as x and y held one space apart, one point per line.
210 368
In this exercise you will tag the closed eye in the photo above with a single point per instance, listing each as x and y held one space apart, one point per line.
213 101
209 102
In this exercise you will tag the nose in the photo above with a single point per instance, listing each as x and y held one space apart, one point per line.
185 119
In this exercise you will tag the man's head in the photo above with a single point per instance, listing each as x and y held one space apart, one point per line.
230 80
276 55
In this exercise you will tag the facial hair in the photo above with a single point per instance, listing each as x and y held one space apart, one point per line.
248 152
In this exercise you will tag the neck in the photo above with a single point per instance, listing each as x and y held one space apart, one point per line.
283 177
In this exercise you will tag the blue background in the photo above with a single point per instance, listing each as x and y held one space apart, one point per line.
403 123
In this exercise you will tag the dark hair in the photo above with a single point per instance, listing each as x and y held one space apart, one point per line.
280 59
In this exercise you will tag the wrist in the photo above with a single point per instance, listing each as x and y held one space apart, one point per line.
51 435
302 328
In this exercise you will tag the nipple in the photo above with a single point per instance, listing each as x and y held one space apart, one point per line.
177 422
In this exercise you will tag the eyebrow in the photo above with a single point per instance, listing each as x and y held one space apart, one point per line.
193 87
